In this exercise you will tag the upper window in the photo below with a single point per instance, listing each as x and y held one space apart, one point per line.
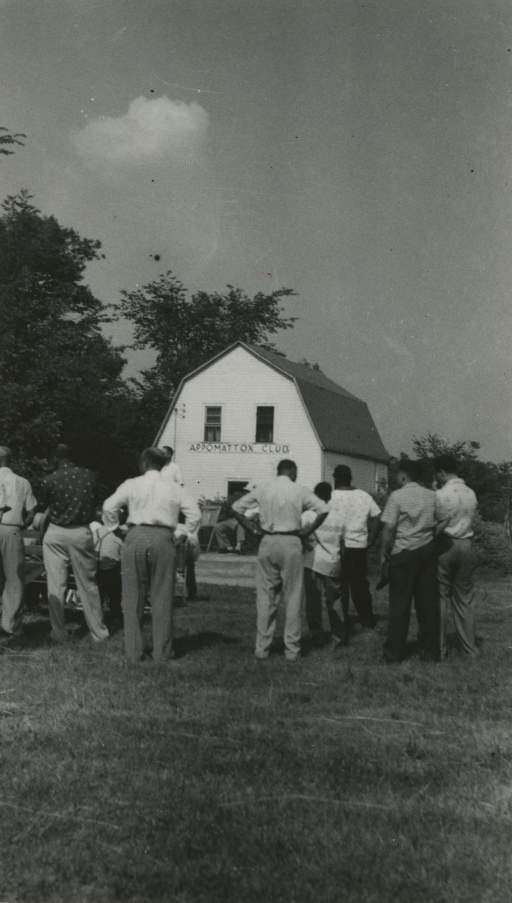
212 424
264 424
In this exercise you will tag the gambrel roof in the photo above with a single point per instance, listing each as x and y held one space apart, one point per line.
342 421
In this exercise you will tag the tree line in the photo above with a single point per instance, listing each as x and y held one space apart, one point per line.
62 379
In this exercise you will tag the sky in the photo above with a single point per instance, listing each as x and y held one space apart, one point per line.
357 152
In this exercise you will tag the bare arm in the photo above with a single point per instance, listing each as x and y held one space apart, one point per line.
388 538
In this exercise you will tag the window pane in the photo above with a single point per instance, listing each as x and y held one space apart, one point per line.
212 424
264 424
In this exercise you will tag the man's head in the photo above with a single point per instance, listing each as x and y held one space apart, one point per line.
169 452
287 468
152 459
445 467
342 476
63 454
5 456
323 491
408 472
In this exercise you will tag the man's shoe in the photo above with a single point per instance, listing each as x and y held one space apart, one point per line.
292 658
261 656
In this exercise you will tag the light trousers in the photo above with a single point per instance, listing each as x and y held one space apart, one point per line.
12 576
72 545
280 570
456 589
148 570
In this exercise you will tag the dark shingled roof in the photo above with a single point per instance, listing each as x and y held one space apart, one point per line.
343 422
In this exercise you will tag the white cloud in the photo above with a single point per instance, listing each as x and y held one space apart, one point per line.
150 130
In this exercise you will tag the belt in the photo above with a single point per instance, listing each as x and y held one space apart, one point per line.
153 526
16 526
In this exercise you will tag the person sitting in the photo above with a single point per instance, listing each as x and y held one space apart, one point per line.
228 533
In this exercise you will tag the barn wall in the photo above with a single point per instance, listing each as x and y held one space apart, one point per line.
239 382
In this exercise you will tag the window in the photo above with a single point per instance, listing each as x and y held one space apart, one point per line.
264 424
212 424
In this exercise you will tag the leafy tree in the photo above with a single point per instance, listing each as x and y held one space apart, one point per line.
186 330
9 140
60 377
491 482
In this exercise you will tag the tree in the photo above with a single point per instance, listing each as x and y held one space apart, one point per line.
60 377
8 140
491 482
184 331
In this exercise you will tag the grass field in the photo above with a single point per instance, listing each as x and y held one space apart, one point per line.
216 778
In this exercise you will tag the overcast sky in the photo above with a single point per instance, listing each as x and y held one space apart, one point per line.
358 152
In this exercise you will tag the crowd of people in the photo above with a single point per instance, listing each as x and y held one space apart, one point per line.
313 549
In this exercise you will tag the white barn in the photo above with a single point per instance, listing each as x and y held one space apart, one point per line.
237 415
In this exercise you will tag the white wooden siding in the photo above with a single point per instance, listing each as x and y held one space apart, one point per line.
239 382
364 473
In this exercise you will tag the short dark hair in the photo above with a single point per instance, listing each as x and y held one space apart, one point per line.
169 450
342 475
323 491
447 462
152 459
286 466
413 469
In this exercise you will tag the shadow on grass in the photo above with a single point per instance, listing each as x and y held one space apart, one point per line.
184 645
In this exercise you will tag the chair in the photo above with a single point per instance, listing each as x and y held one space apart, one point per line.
209 519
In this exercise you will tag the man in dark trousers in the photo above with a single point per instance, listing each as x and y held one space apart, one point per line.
70 493
361 522
408 547
148 559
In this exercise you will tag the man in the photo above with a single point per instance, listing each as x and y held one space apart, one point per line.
322 571
228 533
17 511
170 470
70 494
108 544
361 518
408 546
148 559
456 506
280 567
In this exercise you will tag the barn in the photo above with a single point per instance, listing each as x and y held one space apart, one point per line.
233 418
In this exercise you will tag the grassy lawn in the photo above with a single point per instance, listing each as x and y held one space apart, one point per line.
216 778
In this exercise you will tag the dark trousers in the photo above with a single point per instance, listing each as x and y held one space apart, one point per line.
318 587
148 567
191 584
109 583
354 582
412 575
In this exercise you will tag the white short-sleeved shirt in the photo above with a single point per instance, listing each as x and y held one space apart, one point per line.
16 492
324 555
456 503
354 507
172 472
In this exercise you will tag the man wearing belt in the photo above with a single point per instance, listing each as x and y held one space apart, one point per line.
16 512
456 507
408 547
70 494
280 569
148 559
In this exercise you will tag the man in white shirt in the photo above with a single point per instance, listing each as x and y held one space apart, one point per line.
456 507
148 558
361 517
17 510
322 562
170 470
280 568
